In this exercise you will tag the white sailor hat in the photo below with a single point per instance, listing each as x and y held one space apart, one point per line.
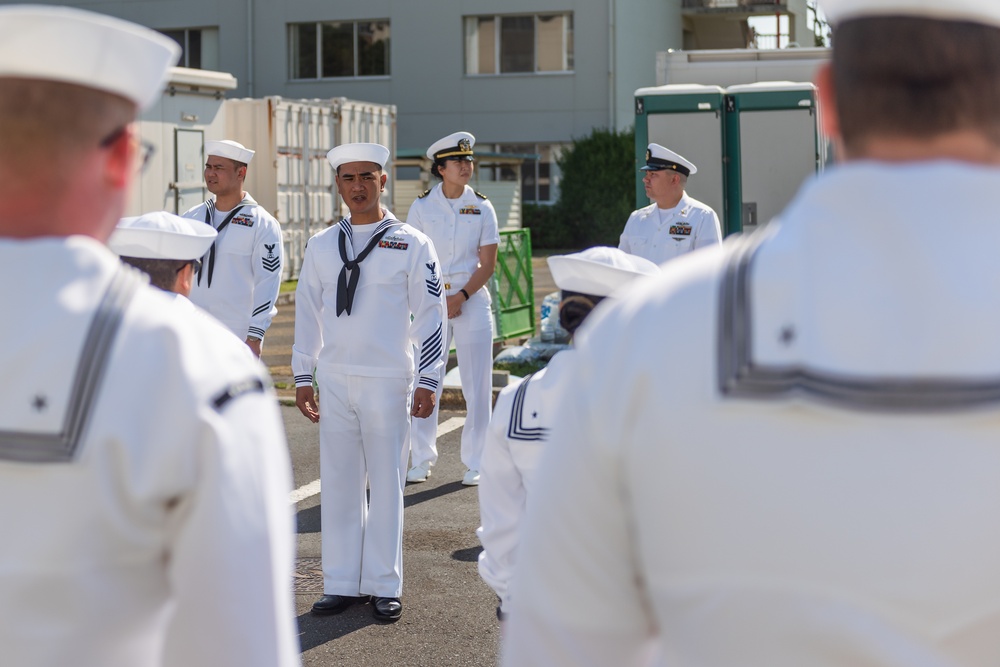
86 49
345 153
659 158
598 271
229 149
456 146
161 235
975 11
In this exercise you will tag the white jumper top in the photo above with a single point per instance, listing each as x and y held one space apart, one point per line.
810 475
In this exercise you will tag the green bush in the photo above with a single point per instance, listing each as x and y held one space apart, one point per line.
547 228
596 194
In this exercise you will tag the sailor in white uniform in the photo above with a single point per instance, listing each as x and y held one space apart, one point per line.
144 475
369 315
241 273
167 247
517 431
809 474
675 223
463 226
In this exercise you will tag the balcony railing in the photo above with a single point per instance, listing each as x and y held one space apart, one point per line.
734 4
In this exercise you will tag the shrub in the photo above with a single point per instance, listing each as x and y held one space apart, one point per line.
597 190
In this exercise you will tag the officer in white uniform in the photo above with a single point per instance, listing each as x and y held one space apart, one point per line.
369 318
809 474
675 223
144 475
463 226
241 273
523 411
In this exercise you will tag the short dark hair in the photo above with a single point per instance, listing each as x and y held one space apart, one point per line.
915 77
162 272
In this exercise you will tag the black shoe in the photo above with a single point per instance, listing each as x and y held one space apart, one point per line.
335 604
387 610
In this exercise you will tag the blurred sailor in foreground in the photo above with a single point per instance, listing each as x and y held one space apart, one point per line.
164 246
518 430
144 476
809 476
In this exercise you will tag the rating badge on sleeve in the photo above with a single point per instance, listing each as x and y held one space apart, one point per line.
271 261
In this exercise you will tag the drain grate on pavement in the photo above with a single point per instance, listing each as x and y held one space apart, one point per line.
308 576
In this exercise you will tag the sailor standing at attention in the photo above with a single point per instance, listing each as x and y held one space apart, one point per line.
369 317
241 273
463 226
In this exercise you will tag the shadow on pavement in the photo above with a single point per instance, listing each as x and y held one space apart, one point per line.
318 630
470 555
307 520
431 494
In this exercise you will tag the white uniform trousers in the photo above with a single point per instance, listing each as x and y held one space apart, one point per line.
364 431
472 332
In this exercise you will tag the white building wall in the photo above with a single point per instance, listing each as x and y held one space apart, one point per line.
639 25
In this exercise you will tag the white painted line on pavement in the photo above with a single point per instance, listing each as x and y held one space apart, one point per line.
312 488
305 491
449 425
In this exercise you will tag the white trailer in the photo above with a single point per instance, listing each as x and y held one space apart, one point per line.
189 111
290 175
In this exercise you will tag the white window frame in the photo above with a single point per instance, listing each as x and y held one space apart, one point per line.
471 54
209 46
318 25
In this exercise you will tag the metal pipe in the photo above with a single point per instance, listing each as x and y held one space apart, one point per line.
249 48
612 83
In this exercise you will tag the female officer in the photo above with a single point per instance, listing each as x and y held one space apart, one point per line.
463 226
517 433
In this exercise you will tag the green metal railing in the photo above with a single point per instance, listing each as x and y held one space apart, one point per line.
513 286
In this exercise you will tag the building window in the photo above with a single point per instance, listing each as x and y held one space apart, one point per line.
339 49
199 47
529 43
539 177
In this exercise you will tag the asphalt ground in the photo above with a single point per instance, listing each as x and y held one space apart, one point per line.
449 615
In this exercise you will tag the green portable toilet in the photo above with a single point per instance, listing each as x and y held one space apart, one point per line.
772 145
687 119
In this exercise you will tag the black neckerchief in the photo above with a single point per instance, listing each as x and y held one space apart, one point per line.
350 273
209 214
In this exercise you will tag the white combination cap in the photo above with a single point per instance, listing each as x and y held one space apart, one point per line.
598 271
230 149
659 158
455 146
345 153
86 49
976 11
161 235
